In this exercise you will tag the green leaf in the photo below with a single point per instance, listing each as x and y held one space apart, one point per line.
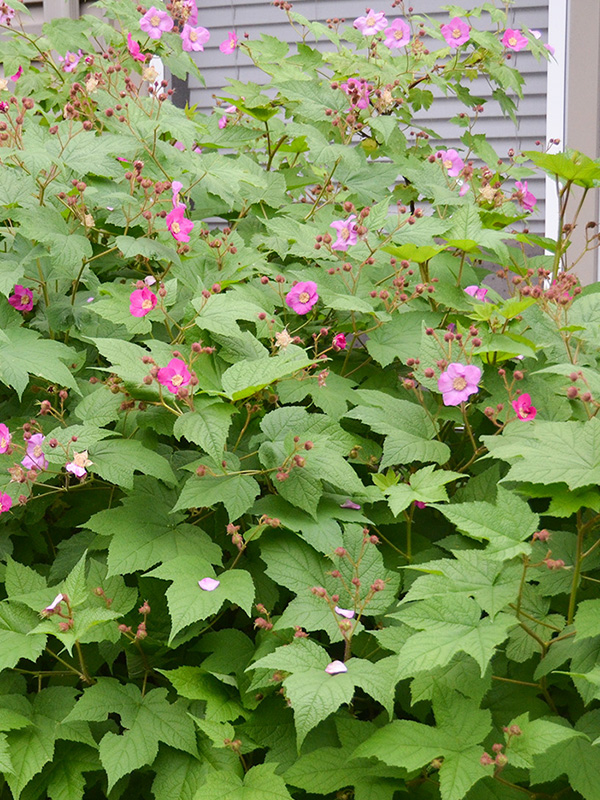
551 452
587 619
246 378
505 524
117 460
207 426
196 684
24 352
446 627
236 492
569 165
143 531
188 603
33 747
314 695
259 783
536 737
401 337
460 730
576 758
425 485
147 720
470 573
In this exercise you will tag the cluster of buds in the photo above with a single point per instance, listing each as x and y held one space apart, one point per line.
500 759
574 392
236 537
99 592
295 459
263 621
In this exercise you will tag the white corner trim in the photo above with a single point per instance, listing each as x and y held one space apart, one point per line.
555 100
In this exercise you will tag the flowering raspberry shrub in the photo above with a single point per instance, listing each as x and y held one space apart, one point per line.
294 504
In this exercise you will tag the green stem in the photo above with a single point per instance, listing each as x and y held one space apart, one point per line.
576 570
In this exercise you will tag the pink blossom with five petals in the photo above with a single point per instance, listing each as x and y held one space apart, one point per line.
458 382
478 292
134 49
78 465
514 39
194 39
229 45
5 438
452 162
397 35
156 22
526 198
302 297
174 376
70 60
22 298
347 232
339 341
456 32
141 302
373 22
34 457
179 226
524 410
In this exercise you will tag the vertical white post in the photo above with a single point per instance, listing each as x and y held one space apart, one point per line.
555 100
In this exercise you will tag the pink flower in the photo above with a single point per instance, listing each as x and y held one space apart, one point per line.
335 668
514 39
458 382
70 60
456 32
194 39
79 464
526 198
373 22
339 341
174 376
420 504
5 438
348 613
17 75
522 405
479 292
6 15
357 91
179 146
208 584
134 49
350 504
5 502
35 458
302 297
346 231
155 22
141 302
53 607
452 162
22 299
176 187
229 45
223 120
397 35
179 226
190 12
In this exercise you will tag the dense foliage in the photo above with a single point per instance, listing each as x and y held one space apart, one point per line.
292 505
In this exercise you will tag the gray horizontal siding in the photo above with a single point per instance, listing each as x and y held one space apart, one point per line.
253 17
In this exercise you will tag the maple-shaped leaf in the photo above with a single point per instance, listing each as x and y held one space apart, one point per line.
446 627
147 720
259 783
188 602
461 728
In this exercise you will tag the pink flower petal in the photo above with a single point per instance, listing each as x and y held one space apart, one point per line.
336 668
